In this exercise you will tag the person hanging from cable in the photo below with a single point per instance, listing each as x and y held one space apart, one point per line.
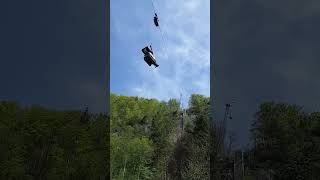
156 19
149 57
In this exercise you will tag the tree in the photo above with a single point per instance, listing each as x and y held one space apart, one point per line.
284 142
39 143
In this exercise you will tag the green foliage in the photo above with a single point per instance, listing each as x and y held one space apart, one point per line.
142 139
37 143
130 157
286 141
196 141
141 133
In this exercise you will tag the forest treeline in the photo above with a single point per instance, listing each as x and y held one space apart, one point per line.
41 143
286 142
145 141
285 145
38 143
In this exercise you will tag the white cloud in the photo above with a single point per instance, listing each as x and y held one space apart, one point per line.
184 57
187 53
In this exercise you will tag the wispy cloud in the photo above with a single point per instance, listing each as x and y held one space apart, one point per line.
183 52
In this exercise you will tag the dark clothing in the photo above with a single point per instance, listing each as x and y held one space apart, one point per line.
148 58
156 21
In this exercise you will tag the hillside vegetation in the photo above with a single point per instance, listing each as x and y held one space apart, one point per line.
146 142
38 143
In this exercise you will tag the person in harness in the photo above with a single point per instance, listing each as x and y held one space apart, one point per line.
149 57
156 20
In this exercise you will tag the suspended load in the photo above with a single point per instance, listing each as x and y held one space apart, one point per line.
156 20
149 57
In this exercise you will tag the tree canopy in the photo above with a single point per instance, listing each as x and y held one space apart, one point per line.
38 143
145 142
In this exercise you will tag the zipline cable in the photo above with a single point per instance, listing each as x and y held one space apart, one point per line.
154 9
163 34
164 44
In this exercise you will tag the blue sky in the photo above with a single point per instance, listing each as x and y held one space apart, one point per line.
182 49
